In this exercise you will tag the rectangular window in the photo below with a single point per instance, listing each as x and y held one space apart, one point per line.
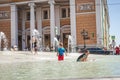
63 12
68 12
45 14
28 16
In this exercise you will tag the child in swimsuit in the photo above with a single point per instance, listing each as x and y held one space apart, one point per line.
60 52
83 57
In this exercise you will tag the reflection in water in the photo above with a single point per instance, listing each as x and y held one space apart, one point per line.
60 70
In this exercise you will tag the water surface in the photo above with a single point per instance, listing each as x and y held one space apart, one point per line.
102 66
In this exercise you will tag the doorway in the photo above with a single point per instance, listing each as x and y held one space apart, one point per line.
65 40
20 42
28 42
47 40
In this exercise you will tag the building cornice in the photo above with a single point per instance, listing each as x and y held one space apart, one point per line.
24 2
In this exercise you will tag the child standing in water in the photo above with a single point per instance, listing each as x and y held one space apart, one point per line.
60 52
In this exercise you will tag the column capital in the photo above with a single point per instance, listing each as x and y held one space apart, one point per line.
31 4
51 2
12 4
13 7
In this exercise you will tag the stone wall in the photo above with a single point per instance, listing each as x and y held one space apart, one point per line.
86 19
64 21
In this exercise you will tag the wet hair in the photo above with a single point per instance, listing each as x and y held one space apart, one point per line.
85 50
61 44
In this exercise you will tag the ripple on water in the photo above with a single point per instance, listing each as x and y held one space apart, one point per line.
53 69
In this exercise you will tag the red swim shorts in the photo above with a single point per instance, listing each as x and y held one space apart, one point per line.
60 57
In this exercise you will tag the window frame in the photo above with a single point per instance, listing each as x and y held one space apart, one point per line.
48 10
26 15
67 8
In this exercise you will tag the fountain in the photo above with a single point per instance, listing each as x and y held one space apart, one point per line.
70 44
37 36
5 41
55 43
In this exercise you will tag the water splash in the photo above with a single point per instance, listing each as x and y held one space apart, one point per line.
37 36
5 41
55 43
70 44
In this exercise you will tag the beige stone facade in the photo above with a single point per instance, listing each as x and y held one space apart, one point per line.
70 19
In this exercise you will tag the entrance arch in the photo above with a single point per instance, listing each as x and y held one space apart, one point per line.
46 36
65 32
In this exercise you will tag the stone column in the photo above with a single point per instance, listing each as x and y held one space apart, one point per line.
57 18
99 24
32 19
52 21
14 25
23 29
39 20
39 24
73 22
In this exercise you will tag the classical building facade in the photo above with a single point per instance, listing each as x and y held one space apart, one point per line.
18 18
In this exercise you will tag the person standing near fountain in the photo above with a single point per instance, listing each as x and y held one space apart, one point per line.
60 52
34 45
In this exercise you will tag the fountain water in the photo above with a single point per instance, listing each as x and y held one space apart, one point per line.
45 66
36 35
5 41
70 44
55 43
